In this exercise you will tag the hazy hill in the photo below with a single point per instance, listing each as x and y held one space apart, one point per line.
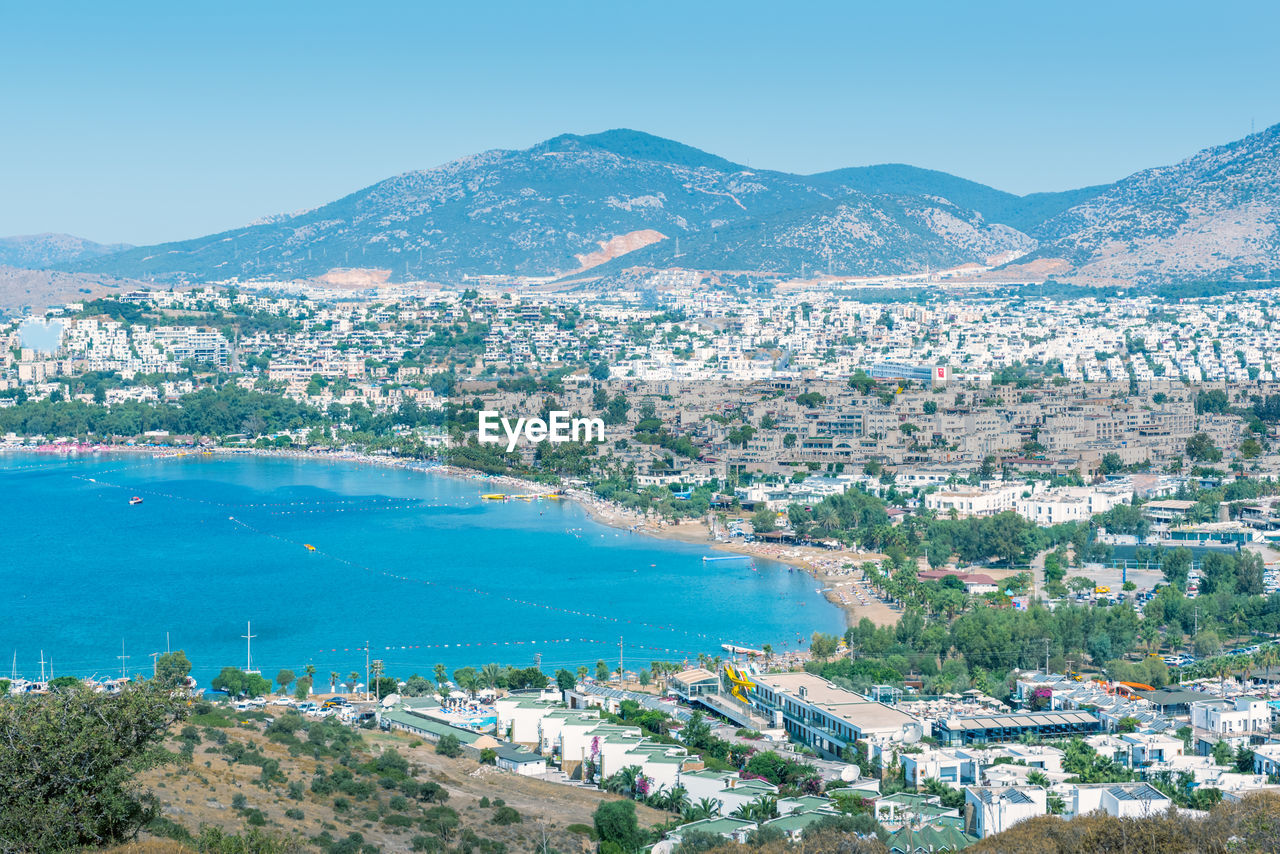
1214 216
622 198
576 201
1025 213
38 251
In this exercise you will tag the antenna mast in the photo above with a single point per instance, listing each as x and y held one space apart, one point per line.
248 646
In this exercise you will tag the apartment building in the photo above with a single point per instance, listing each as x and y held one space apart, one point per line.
828 718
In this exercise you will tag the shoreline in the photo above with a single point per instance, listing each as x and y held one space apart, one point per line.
837 571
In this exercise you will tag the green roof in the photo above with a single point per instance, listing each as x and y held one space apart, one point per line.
806 803
929 838
800 820
753 786
717 825
405 718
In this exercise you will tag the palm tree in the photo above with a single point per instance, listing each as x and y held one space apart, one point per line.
624 782
762 808
353 678
441 674
489 675
678 799
469 681
376 668
659 798
333 681
582 672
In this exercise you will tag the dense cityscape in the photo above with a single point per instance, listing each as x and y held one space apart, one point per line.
712 428
1050 523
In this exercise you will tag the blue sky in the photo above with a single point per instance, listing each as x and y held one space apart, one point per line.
145 122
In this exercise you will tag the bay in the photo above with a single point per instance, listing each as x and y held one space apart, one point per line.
413 564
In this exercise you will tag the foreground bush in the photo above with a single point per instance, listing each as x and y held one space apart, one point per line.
67 761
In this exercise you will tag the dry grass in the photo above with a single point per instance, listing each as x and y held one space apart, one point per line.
201 793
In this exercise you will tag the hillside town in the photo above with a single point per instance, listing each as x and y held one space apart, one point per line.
1050 523
793 391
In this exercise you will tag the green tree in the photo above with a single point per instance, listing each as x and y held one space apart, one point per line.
284 679
449 746
565 680
68 760
1201 448
172 669
764 520
238 683
1111 463
1176 565
615 822
823 646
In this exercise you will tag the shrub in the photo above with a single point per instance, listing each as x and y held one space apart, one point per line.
295 814
439 820
432 793
506 815
167 828
449 746
357 789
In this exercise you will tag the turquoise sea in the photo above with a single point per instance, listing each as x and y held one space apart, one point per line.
412 563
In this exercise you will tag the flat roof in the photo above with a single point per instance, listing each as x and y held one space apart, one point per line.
1063 718
695 674
849 706
1173 696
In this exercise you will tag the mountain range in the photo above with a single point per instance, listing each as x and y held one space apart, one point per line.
587 207
46 250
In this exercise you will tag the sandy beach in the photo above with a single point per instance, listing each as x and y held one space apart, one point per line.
837 571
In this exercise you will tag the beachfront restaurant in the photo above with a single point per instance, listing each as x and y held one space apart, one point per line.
986 729
694 683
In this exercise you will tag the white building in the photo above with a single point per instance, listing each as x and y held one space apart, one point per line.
975 501
988 811
1241 716
1266 759
1122 800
